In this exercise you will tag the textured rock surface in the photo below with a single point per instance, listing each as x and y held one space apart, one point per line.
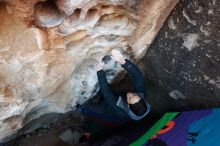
184 59
48 50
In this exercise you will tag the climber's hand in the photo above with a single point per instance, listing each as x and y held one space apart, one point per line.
99 66
118 56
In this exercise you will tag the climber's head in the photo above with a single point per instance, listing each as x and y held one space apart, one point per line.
136 104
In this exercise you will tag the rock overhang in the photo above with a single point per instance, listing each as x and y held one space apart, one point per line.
49 48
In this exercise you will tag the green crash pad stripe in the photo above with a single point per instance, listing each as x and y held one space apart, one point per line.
154 129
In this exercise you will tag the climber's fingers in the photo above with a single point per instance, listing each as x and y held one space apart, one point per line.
118 56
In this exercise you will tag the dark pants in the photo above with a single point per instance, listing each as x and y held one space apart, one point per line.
104 113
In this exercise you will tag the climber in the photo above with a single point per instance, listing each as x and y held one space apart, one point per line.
129 104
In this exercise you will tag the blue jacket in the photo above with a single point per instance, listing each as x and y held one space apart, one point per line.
114 100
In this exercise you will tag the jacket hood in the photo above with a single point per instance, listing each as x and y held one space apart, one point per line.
123 104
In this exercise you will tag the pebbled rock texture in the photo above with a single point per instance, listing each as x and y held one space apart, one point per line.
48 50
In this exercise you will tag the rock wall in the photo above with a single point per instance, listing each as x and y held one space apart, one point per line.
184 59
48 50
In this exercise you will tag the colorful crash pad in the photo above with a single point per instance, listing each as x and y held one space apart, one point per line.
191 128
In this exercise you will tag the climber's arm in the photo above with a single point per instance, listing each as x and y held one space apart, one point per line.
137 77
133 70
105 88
